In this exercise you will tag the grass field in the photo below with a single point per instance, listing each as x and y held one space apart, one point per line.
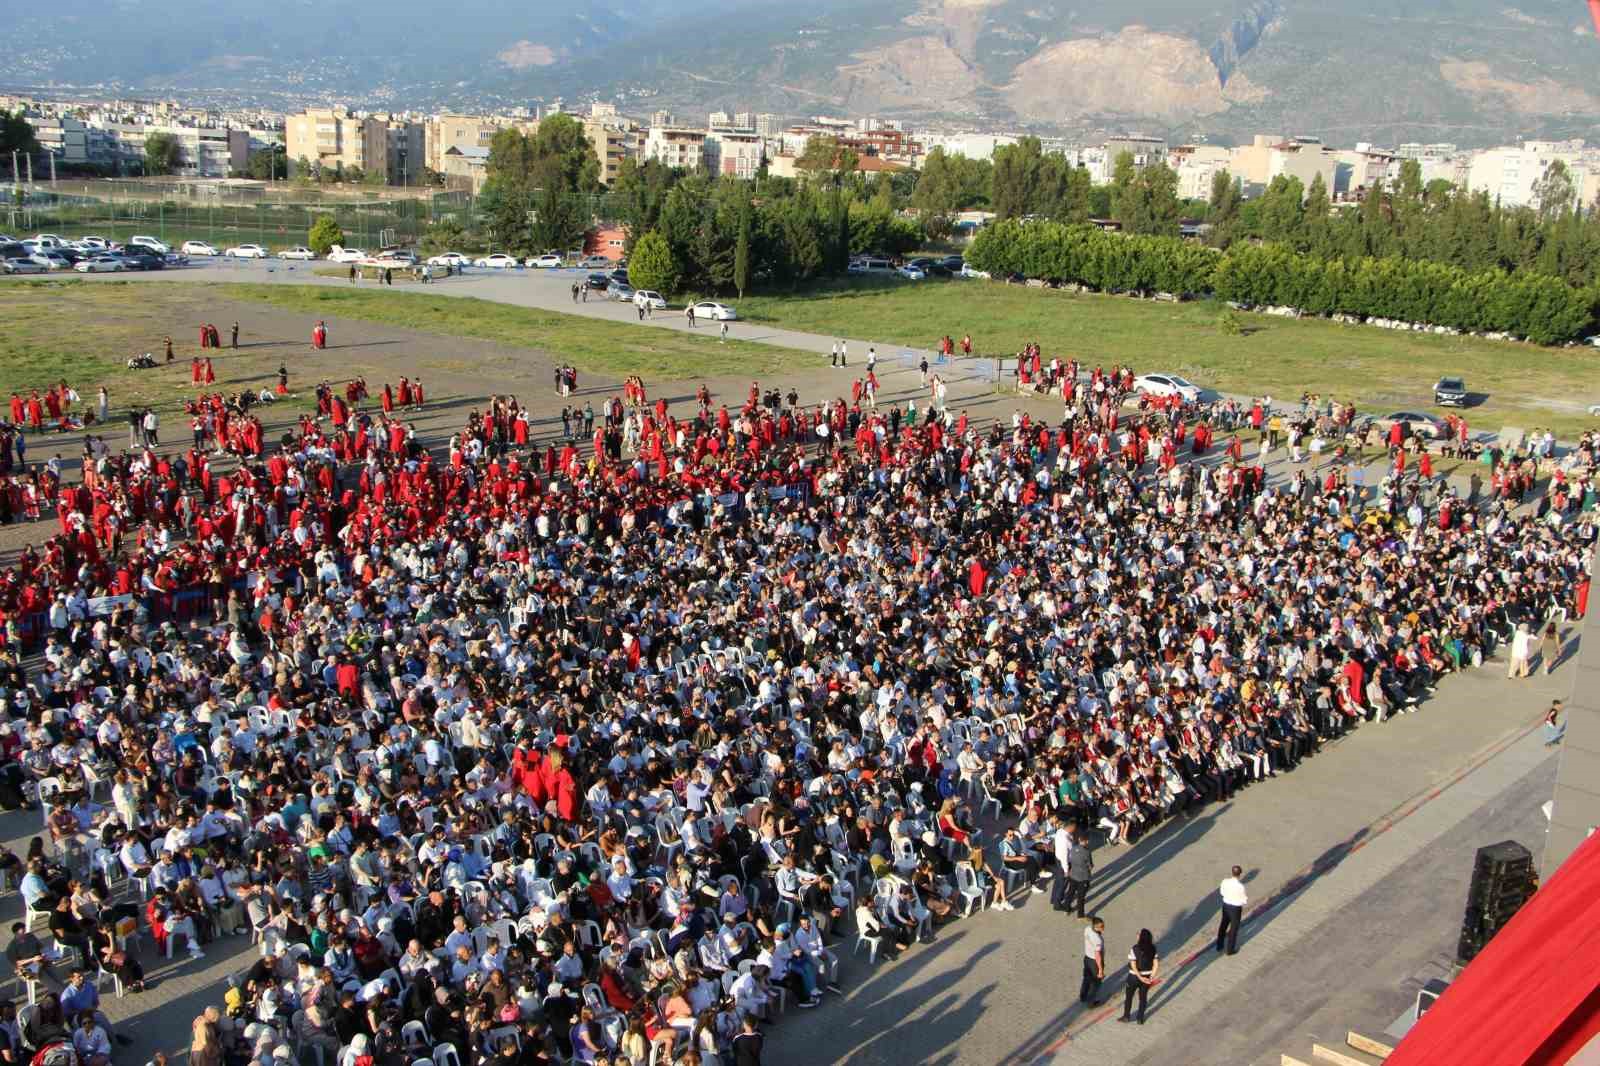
590 344
1517 384
83 332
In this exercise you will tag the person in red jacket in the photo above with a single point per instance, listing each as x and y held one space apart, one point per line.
348 677
563 788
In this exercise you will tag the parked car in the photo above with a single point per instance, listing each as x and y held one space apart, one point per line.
621 291
930 267
245 251
403 258
955 264
1450 392
199 248
545 262
869 264
594 262
714 311
1167 385
19 265
912 272
51 260
1413 422
455 259
498 261
649 298
338 254
159 247
619 275
49 240
101 264
94 242
300 252
968 272
597 282
142 258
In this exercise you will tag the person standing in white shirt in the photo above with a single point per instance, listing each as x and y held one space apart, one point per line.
1233 903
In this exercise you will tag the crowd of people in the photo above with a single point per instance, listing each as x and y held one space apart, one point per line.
604 750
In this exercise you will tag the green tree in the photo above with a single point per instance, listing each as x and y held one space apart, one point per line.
267 164
638 193
559 221
325 233
1554 193
651 265
16 134
162 154
826 157
741 252
1282 210
1016 176
1223 209
1145 201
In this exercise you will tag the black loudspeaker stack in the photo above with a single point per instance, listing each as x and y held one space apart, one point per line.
1503 878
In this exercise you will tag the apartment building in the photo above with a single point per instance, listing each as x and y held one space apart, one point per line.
1146 151
335 139
676 146
65 138
736 155
205 151
1196 165
445 132
1510 174
612 142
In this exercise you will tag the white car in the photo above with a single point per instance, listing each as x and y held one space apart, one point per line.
649 298
968 272
1167 385
302 253
151 243
100 264
337 254
245 251
714 311
498 261
50 261
49 240
545 262
94 242
450 259
199 248
912 273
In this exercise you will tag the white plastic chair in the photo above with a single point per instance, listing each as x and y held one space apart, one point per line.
868 932
967 885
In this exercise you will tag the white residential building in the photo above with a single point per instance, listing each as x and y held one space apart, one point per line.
735 154
1509 174
676 146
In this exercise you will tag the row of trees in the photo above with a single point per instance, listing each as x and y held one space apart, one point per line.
1542 308
1437 221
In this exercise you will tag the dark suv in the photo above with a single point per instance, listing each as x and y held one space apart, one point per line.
1450 392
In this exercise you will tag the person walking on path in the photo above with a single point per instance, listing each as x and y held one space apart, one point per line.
1080 868
833 359
1549 647
1554 727
1094 962
235 335
1233 904
688 312
1144 967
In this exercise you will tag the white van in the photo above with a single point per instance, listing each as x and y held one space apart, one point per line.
149 242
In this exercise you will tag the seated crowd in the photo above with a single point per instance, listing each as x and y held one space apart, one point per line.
596 754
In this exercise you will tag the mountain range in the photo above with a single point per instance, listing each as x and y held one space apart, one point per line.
1468 71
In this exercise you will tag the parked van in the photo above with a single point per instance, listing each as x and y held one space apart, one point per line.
870 265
